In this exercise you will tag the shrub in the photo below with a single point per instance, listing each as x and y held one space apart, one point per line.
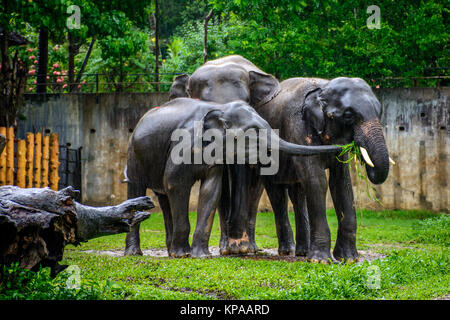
21 284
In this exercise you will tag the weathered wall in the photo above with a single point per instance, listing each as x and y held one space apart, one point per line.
102 125
416 128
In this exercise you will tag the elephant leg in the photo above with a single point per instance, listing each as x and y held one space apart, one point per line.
278 198
342 195
133 241
224 211
255 191
179 205
238 241
209 195
320 239
168 222
298 199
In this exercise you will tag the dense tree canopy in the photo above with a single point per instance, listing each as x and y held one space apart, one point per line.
324 38
331 38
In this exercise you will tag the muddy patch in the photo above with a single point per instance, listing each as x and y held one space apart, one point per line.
263 254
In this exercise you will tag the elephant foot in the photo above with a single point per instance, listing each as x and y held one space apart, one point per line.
286 251
301 251
181 252
347 260
223 246
199 252
133 243
253 247
133 251
224 251
239 246
321 256
347 254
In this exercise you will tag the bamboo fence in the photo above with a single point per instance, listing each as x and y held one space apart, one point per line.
30 163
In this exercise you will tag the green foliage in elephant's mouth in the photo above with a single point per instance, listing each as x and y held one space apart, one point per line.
354 159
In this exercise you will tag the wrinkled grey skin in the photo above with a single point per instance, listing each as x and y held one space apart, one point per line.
317 112
227 79
307 111
224 80
150 166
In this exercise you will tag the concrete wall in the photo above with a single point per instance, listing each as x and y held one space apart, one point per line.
102 125
416 128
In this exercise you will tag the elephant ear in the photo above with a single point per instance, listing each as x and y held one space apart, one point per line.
313 110
179 88
214 119
263 88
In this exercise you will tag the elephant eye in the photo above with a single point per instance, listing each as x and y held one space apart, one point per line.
348 114
348 117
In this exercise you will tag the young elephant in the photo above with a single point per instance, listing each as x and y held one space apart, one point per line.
155 162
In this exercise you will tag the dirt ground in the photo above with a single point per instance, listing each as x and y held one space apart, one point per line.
264 254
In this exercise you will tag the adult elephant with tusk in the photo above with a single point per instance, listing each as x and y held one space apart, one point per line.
317 112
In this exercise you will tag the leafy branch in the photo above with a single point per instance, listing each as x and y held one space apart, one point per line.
355 159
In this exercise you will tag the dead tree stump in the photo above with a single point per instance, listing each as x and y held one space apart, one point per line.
36 224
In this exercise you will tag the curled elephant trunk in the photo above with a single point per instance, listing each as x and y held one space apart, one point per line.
302 150
369 137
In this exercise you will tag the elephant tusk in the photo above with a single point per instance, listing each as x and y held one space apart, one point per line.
391 161
366 157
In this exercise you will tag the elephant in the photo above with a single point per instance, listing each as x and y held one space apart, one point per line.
224 80
227 79
153 162
315 111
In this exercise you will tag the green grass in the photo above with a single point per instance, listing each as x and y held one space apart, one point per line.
414 244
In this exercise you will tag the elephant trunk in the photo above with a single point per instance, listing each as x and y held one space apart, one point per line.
302 150
369 137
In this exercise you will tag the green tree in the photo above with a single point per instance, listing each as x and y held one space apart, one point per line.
328 38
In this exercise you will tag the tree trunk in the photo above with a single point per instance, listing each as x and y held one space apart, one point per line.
42 61
205 39
4 80
97 222
12 87
156 46
12 77
36 224
71 62
85 61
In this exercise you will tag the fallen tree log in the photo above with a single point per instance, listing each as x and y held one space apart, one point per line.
97 222
36 224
